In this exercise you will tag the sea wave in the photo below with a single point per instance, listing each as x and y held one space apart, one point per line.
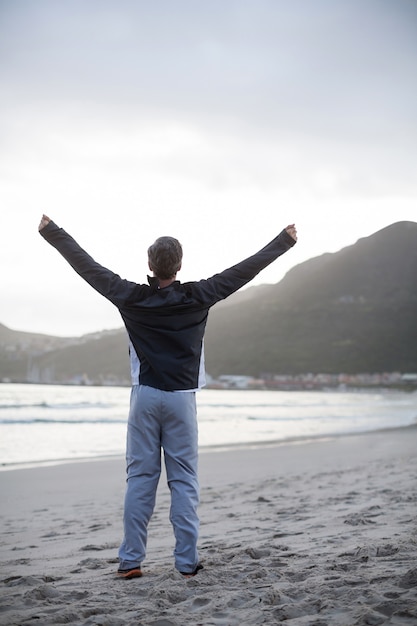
44 420
57 405
40 422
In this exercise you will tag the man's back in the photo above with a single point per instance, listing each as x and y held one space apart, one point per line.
165 325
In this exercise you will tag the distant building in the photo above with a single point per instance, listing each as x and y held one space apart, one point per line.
231 381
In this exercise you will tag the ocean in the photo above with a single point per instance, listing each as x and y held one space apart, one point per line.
41 424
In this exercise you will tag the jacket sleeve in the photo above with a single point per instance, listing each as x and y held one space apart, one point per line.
222 285
103 280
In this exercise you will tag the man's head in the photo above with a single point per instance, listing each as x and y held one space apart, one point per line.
165 257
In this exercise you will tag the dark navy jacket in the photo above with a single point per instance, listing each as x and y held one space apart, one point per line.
165 326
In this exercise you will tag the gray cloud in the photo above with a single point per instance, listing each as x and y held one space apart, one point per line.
319 67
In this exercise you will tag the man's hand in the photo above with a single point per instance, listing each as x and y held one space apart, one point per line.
292 231
44 221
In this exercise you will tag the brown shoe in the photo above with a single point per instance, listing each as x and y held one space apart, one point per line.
136 572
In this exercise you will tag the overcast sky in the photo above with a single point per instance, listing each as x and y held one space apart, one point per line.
218 122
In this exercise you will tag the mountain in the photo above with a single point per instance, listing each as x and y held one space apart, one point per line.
28 357
350 311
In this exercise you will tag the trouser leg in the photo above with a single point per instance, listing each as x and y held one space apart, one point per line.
180 443
143 458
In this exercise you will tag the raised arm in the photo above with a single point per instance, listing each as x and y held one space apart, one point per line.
103 280
225 283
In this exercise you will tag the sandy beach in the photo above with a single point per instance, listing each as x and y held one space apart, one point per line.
318 533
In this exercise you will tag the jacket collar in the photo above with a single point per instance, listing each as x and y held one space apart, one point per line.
154 282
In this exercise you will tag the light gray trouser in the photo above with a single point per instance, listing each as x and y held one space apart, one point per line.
158 419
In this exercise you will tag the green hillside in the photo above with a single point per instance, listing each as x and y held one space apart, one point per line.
351 311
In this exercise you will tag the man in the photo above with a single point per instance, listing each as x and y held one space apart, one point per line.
165 321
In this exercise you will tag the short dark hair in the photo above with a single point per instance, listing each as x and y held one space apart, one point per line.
165 256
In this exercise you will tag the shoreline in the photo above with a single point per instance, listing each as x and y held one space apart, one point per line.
212 449
319 534
408 386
